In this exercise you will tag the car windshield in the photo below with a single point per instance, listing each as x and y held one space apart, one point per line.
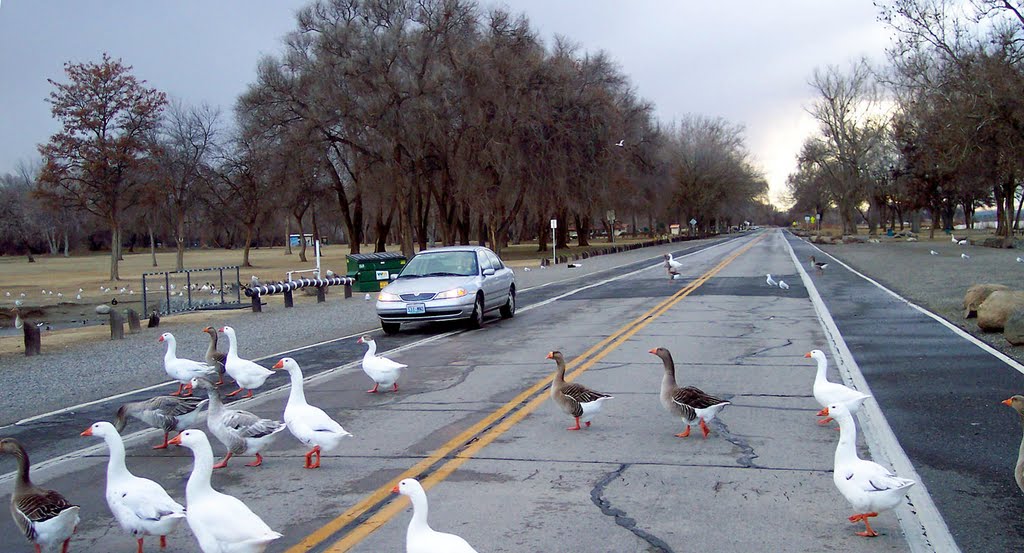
441 264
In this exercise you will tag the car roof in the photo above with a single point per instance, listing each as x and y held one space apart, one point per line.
456 249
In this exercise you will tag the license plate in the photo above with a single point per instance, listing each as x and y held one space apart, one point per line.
415 309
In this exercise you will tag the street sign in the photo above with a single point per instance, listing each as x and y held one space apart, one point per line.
610 215
554 224
807 218
693 222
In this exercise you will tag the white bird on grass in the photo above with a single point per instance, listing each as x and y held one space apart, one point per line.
964 256
621 143
1019 260
783 285
952 237
933 252
770 280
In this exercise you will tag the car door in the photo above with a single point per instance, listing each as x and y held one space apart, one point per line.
496 285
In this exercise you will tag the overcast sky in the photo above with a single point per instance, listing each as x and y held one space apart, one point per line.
747 61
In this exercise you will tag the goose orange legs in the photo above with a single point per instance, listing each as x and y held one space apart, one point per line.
257 462
374 390
868 532
184 390
233 394
223 462
577 427
163 445
309 458
684 433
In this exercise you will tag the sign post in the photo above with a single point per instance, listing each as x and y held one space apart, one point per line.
554 225
610 216
693 227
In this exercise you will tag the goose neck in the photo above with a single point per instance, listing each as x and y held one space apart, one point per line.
212 347
820 377
668 381
172 349
115 464
371 348
419 512
558 380
846 449
232 344
23 481
297 395
202 470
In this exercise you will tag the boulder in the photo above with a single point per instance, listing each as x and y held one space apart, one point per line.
977 294
1014 328
997 307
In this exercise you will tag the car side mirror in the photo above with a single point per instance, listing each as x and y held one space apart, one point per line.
488 272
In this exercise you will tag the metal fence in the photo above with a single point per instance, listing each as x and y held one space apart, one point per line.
179 291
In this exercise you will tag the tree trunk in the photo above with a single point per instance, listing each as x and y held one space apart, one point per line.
915 222
115 250
287 235
152 244
66 240
383 227
179 239
302 239
248 244
543 231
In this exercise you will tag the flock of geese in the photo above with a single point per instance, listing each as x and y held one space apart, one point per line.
221 523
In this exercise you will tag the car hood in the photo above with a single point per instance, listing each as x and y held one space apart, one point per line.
431 285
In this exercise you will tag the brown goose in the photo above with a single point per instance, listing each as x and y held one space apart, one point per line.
215 358
44 516
689 403
575 399
1017 402
164 412
819 265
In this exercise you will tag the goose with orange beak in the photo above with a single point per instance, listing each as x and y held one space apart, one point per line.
309 424
826 393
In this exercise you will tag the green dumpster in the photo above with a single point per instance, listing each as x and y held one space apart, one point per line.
373 271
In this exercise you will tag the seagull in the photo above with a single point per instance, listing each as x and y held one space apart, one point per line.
964 256
80 290
1019 260
78 297
771 281
17 303
527 269
621 143
933 252
953 238
963 242
783 285
367 298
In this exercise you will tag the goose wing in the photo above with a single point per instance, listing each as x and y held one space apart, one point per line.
695 398
248 425
581 393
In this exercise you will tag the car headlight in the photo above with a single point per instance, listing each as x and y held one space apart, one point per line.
451 294
388 296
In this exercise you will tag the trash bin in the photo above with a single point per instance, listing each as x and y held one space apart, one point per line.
373 271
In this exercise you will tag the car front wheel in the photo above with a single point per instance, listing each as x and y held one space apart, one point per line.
390 328
476 320
509 309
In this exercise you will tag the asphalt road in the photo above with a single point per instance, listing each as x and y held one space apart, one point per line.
471 421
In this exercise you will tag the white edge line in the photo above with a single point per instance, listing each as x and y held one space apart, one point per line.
929 532
131 439
959 331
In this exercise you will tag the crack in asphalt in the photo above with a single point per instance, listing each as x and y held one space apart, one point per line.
746 459
596 495
739 358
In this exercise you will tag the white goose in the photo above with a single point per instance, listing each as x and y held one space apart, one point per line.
869 487
382 370
771 281
221 523
182 370
141 506
242 432
246 373
826 393
672 266
309 424
420 537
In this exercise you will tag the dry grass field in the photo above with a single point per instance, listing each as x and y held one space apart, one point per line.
89 272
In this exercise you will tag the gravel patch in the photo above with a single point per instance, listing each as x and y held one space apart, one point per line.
938 282
90 371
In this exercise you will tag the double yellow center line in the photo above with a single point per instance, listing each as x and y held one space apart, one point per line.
376 509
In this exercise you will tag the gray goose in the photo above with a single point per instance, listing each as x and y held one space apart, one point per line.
1017 402
45 517
164 412
575 399
242 432
690 404
215 358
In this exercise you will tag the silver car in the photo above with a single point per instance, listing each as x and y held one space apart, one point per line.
447 284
